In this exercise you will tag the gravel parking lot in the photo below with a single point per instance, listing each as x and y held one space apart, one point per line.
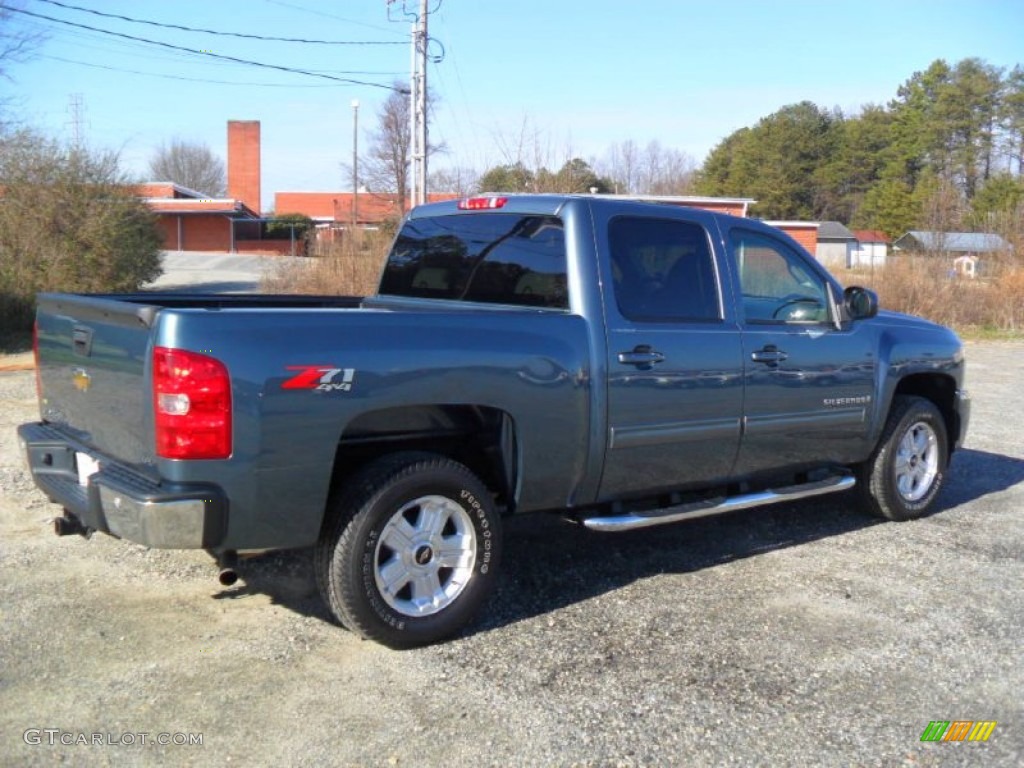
801 635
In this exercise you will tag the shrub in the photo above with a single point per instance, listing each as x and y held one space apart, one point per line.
68 222
340 269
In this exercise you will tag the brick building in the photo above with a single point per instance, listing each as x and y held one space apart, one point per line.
193 221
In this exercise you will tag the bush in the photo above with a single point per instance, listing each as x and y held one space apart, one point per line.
68 222
340 269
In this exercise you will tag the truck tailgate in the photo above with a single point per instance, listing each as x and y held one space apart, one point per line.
93 355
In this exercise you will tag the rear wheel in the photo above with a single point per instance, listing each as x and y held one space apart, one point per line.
906 472
411 550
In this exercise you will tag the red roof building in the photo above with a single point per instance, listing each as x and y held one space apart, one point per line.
191 222
370 208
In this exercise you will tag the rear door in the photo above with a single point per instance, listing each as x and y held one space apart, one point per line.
808 378
675 391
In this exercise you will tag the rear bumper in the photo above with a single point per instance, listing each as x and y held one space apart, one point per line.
119 501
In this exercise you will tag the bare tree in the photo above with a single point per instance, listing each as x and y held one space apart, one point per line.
385 166
16 45
653 170
191 165
666 171
456 181
621 166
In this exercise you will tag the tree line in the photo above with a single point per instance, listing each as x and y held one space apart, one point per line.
948 149
946 153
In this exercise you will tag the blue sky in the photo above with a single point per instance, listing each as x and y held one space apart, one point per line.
579 75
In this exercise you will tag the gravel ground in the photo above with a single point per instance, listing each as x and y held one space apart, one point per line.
799 635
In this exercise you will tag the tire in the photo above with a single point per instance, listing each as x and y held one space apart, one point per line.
410 550
906 472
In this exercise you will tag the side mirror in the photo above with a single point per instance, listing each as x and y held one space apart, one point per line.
861 303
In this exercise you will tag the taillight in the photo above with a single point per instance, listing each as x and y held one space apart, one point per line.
482 203
35 356
192 403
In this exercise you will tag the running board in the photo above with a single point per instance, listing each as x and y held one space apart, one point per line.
633 520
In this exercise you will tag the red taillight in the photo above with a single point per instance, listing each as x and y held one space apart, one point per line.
482 203
192 404
35 357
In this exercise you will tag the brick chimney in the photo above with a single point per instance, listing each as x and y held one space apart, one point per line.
244 162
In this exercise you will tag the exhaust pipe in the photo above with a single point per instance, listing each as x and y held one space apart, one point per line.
227 561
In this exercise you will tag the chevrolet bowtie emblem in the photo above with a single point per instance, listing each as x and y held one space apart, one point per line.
81 379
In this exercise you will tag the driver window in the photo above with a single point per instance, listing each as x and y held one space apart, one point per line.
777 285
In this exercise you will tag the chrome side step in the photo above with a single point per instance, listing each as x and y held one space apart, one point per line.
633 520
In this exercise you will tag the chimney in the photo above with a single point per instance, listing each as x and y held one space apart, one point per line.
244 162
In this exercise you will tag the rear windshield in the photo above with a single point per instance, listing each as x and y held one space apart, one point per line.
500 258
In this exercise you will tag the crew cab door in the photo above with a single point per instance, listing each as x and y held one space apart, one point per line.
808 377
675 393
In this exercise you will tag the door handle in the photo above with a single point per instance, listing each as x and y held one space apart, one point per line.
770 355
642 356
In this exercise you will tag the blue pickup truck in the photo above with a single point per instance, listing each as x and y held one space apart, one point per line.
622 363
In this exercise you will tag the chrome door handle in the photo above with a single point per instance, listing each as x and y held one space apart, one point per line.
642 355
770 354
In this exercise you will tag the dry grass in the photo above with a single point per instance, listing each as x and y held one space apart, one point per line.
922 286
338 270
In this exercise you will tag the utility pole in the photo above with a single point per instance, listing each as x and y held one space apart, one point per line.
355 165
417 100
419 106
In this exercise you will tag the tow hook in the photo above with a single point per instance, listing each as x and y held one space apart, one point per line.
227 561
68 525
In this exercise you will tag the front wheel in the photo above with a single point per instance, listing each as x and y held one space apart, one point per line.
906 472
410 551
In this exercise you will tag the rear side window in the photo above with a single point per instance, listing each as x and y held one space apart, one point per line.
499 258
663 270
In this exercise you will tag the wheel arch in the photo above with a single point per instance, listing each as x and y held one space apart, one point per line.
940 389
482 438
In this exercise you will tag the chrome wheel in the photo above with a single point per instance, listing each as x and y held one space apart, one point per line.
917 461
425 556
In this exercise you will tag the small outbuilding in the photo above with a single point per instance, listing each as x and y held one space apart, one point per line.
872 248
977 243
836 245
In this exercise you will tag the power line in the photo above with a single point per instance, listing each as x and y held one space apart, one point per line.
182 77
221 56
328 15
220 33
81 39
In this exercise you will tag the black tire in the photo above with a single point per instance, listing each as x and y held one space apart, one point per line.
905 474
427 524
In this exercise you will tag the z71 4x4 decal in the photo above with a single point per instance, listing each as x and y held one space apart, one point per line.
322 378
